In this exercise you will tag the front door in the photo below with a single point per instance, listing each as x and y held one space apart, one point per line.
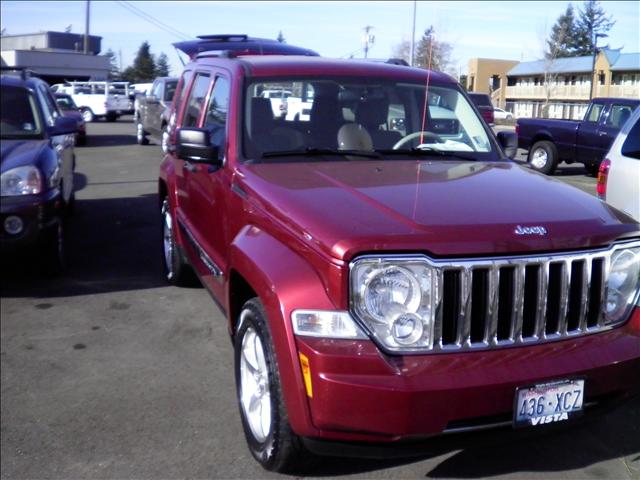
586 150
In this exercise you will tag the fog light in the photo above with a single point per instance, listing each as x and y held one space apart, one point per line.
407 328
13 225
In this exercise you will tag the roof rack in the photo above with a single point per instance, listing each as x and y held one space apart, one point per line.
25 72
238 44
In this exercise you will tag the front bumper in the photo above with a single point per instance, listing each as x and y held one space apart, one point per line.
37 212
360 394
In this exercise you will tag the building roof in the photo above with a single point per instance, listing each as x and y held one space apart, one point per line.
618 61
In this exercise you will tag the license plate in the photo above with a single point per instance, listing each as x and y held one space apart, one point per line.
548 403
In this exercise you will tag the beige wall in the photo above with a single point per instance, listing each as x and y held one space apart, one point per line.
479 75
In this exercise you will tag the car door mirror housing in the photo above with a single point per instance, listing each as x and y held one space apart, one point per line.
509 143
194 145
63 126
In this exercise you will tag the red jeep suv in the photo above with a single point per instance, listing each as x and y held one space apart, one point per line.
386 271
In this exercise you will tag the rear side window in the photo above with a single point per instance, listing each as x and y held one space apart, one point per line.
631 146
618 116
196 100
594 112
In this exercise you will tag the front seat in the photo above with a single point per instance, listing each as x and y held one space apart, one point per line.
372 113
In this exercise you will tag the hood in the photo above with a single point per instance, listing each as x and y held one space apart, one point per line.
441 208
16 153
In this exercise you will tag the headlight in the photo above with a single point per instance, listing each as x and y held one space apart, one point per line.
393 297
623 284
21 181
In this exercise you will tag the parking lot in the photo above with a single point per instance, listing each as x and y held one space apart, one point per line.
107 372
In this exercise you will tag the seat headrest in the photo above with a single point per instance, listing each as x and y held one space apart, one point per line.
261 115
372 112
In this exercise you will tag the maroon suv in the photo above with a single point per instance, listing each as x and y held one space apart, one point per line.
386 271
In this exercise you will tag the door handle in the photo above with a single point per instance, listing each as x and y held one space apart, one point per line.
190 166
602 134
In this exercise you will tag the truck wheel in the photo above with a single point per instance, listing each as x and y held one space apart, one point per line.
52 250
141 135
111 117
164 139
264 416
593 169
543 157
87 114
177 271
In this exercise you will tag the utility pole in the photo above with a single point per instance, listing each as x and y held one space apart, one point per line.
86 30
367 39
412 53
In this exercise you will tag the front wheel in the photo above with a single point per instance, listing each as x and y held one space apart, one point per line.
177 271
165 139
141 135
87 115
543 157
264 415
52 250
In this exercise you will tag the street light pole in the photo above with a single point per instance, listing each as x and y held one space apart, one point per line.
593 63
412 53
86 30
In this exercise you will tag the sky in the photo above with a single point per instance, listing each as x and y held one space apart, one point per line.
486 29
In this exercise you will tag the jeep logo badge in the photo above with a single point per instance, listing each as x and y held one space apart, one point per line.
537 230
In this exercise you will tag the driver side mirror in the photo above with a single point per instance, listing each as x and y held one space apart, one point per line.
509 143
194 145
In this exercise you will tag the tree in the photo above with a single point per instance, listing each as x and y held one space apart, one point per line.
561 42
114 71
143 68
591 21
162 66
281 38
429 53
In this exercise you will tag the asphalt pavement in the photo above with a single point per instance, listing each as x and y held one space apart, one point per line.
107 372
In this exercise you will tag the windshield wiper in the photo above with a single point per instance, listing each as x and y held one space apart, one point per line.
425 151
313 151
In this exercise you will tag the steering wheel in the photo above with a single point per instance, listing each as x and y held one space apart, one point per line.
415 135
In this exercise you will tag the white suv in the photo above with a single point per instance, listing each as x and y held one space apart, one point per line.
619 175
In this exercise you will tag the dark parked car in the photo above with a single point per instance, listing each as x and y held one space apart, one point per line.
385 285
37 165
585 141
69 109
483 102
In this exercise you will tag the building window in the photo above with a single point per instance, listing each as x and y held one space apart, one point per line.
601 78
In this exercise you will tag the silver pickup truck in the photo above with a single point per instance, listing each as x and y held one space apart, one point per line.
151 115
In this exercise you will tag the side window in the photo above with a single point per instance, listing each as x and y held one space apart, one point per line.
216 119
618 116
196 100
631 146
594 112
157 90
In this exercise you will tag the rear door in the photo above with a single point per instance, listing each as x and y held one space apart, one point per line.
587 149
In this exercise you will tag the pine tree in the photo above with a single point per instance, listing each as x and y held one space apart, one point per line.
561 42
162 66
591 21
281 38
144 66
114 71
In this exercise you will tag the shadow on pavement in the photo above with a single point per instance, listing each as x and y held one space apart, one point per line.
112 244
502 452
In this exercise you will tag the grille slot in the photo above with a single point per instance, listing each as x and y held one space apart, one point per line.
506 301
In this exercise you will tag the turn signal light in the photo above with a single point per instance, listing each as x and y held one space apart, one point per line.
601 183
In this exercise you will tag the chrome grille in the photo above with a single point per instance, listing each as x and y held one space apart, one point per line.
491 303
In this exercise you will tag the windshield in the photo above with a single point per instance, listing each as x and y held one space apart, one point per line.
18 115
335 115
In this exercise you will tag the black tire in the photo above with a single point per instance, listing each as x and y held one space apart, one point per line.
52 249
177 271
81 140
543 157
164 139
111 117
141 135
69 208
281 450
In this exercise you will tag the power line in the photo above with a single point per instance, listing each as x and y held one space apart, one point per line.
154 21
